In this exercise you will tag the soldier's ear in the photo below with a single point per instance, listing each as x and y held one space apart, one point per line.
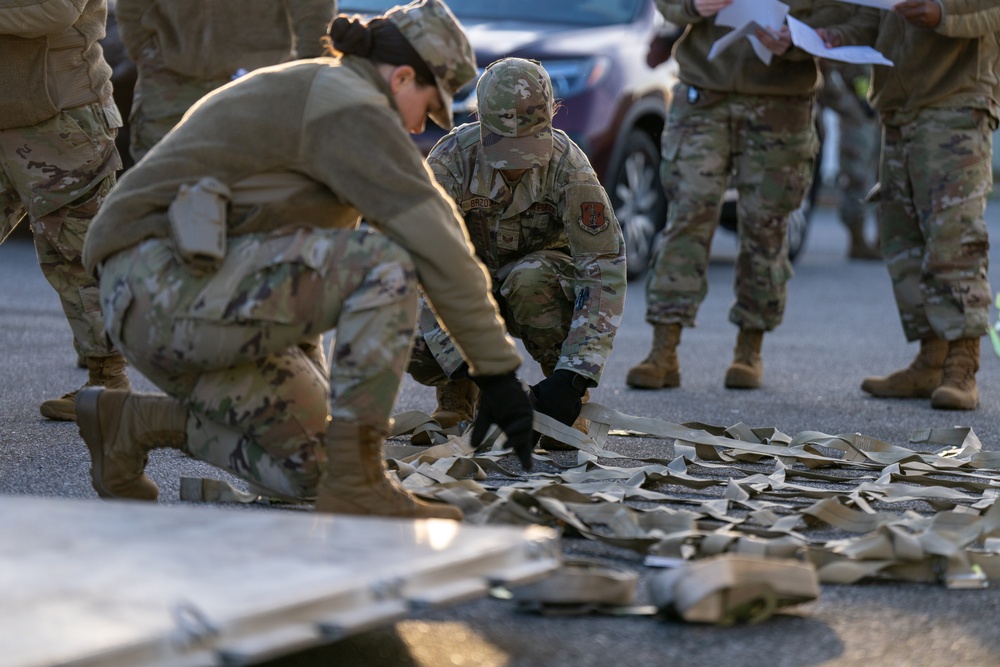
401 76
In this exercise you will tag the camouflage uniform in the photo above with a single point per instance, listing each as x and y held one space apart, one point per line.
733 116
553 248
844 91
228 343
939 105
57 150
184 49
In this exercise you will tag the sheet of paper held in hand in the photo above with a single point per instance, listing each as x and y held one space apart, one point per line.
723 43
741 14
809 41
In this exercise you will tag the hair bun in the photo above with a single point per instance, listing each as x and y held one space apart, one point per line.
351 36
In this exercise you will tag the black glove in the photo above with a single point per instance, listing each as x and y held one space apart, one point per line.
558 395
504 401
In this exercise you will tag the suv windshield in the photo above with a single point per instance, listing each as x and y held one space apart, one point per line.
573 12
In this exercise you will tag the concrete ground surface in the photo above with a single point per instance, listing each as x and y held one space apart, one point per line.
840 326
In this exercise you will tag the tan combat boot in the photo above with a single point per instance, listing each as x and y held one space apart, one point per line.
747 369
958 390
356 481
120 428
103 372
660 368
456 402
918 380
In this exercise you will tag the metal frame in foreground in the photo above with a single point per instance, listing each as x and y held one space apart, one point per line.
116 584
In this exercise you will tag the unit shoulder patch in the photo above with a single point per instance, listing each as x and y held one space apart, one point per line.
593 217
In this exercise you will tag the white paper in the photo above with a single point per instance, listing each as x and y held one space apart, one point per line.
809 41
731 37
878 4
770 13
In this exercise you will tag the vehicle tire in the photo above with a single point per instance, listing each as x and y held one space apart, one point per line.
637 197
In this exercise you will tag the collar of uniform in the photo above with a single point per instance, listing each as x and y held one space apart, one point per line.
368 70
489 182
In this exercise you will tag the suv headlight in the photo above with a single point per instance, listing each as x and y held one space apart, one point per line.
569 77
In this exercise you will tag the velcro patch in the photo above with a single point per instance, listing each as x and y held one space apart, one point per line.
476 202
593 219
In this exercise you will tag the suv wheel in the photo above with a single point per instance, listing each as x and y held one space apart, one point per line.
638 199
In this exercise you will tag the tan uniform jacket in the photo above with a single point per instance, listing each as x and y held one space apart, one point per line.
955 65
319 143
738 69
50 60
212 39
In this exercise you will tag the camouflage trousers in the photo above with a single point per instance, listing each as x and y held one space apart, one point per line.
160 100
936 173
56 174
234 346
536 299
765 147
858 155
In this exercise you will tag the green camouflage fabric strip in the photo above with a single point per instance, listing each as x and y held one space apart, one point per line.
58 173
235 347
936 173
771 142
552 245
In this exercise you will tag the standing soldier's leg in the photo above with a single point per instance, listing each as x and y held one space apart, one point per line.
62 169
903 248
859 144
773 175
59 246
951 173
695 171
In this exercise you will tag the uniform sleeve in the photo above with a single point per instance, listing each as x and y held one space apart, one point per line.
443 169
681 12
310 20
129 14
396 194
969 18
39 17
598 250
861 29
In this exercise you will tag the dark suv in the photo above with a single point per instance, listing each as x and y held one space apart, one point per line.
612 103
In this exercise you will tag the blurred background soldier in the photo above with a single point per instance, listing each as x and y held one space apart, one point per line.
58 159
845 92
543 226
734 118
184 49
939 106
235 240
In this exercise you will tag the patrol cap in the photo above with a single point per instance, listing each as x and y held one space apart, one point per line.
437 36
515 114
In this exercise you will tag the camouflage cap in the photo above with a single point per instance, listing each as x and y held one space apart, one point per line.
515 114
434 32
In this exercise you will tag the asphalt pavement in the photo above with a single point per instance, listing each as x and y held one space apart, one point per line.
840 325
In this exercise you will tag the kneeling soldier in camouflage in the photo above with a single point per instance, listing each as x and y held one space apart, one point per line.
542 224
234 244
